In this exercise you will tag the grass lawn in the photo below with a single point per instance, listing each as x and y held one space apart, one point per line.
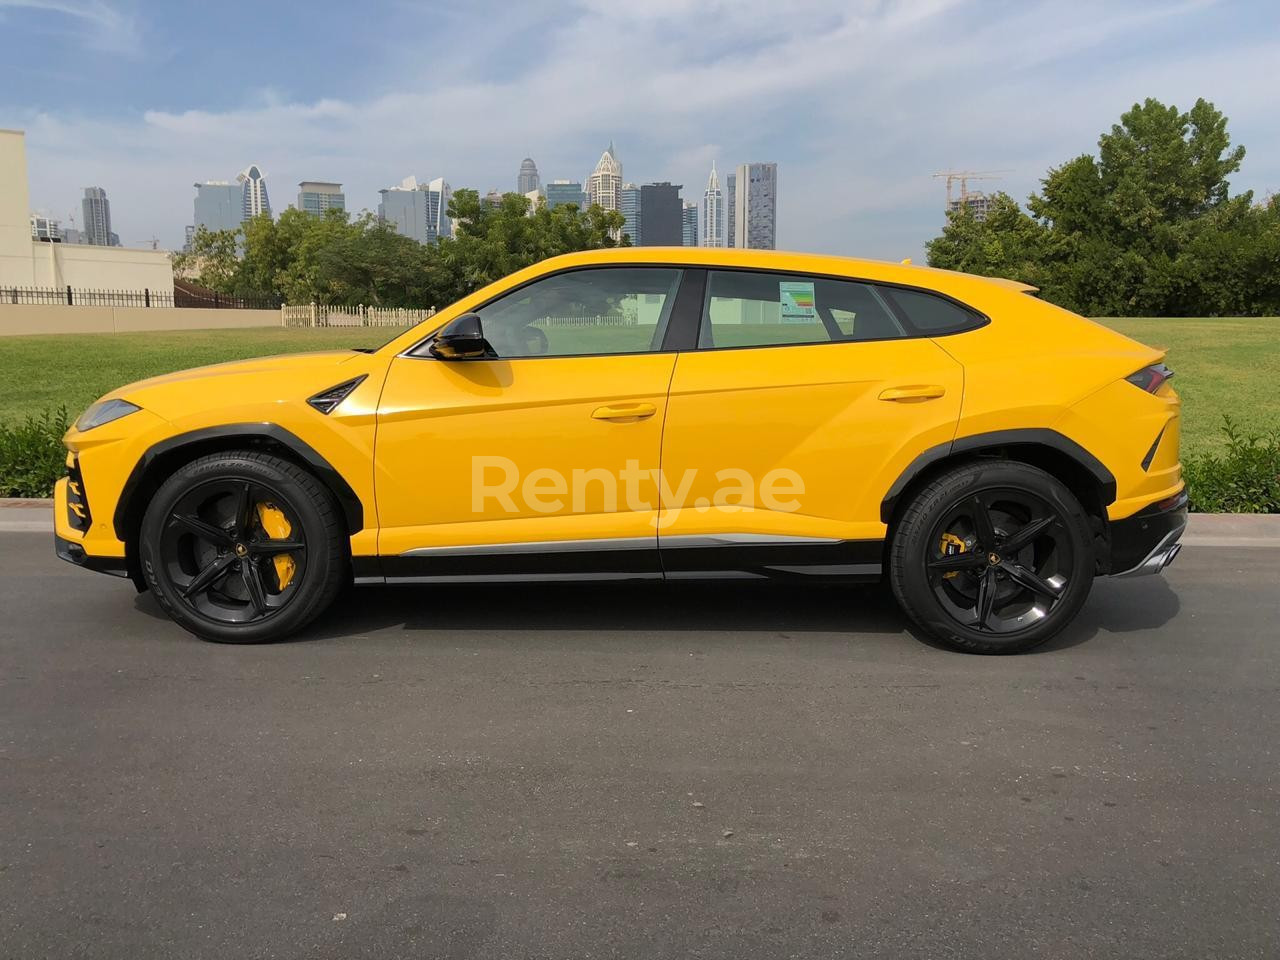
1223 365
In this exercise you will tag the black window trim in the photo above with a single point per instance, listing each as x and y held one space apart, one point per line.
684 323
912 331
418 351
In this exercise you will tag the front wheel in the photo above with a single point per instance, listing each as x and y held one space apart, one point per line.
994 556
242 547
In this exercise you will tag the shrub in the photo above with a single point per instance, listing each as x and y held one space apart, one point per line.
32 456
1244 479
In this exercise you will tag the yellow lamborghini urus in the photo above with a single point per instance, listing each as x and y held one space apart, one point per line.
667 414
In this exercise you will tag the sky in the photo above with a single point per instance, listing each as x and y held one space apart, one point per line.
858 101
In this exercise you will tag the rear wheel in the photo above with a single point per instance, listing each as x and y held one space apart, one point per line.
992 557
242 547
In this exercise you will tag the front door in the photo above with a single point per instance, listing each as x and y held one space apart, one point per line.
806 397
540 461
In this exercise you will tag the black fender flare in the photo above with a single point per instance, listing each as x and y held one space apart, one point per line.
978 442
352 508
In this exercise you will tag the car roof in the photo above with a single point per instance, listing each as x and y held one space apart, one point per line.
903 272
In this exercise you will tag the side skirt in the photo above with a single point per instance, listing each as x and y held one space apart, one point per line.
720 557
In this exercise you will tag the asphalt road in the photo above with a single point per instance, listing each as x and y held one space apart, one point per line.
639 771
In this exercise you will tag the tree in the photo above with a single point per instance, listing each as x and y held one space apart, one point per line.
1146 227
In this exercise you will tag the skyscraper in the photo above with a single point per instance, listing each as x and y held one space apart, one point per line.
527 181
253 186
604 186
219 205
317 196
690 214
755 206
96 210
713 212
662 215
420 211
565 191
730 206
629 206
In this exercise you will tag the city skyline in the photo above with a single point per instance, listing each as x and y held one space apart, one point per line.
856 174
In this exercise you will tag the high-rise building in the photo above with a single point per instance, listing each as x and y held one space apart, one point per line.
527 181
565 191
420 211
730 205
219 205
662 215
690 214
45 229
604 186
253 185
96 210
317 196
755 206
713 212
629 206
977 202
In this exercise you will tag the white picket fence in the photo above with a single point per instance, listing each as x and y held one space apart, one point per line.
322 315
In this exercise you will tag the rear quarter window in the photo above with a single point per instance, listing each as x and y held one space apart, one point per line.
932 315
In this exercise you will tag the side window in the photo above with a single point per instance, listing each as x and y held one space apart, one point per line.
749 309
933 315
605 310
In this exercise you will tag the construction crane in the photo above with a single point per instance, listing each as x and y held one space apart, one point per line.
964 176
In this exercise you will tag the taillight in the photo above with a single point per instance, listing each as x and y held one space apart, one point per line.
1150 378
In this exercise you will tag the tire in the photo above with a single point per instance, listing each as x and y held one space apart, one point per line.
1003 584
243 547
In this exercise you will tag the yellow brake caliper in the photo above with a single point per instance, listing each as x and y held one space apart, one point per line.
951 545
277 528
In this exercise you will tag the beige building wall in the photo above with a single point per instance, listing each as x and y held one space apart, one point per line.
17 319
26 263
15 212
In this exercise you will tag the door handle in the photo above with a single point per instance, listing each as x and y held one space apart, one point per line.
624 412
927 391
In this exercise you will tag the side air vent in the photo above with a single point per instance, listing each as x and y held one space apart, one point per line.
326 401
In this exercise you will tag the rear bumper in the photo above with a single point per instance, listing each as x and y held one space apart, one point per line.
1147 542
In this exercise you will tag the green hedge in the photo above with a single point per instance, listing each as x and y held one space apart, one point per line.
1243 479
32 456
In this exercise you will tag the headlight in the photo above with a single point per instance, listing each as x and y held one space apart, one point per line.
104 411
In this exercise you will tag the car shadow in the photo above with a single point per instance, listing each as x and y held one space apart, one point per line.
756 607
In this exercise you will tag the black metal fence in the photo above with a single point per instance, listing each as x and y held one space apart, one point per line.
73 297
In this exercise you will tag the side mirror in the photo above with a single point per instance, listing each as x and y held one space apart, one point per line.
462 338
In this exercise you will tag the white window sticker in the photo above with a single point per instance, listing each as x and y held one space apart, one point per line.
797 299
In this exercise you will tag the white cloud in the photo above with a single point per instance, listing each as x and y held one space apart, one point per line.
860 102
102 27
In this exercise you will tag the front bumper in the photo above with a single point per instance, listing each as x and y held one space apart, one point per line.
73 552
1147 542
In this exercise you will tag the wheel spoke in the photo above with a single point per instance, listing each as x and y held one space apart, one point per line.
270 548
958 561
207 577
1028 578
253 583
244 511
1028 533
205 531
982 523
986 598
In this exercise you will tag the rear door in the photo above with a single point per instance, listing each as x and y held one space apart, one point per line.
805 398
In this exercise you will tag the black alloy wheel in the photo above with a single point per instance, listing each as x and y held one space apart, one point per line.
992 557
243 547
223 561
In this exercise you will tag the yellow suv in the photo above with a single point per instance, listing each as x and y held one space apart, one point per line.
653 413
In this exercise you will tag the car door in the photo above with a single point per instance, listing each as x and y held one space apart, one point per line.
540 459
806 397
